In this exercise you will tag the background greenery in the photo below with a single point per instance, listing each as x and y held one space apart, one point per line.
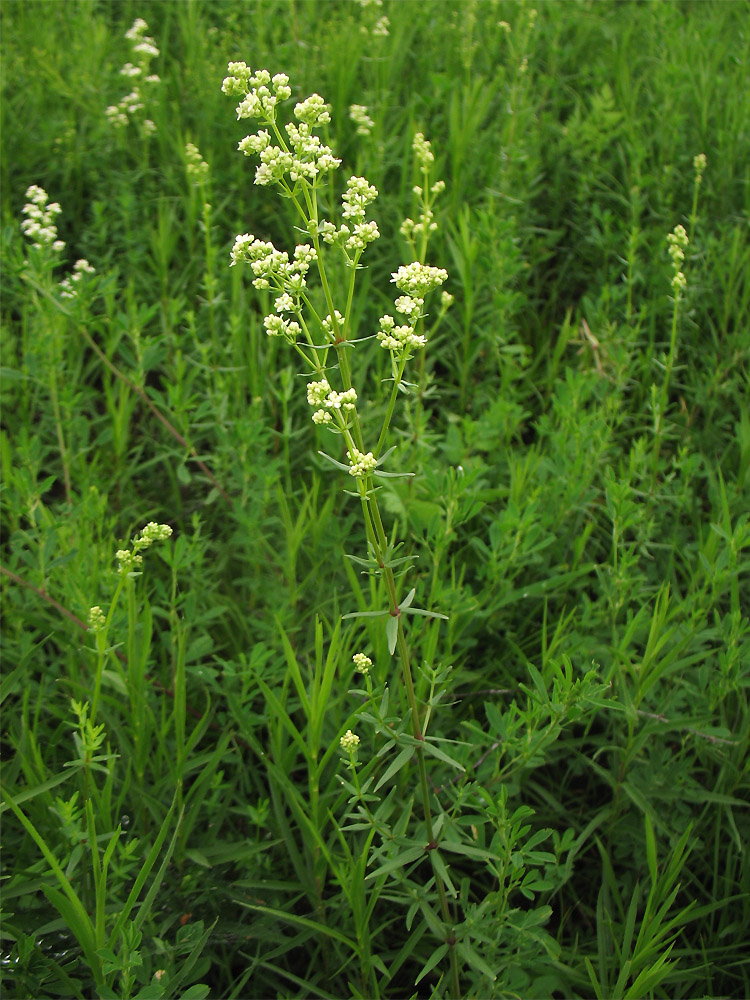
551 524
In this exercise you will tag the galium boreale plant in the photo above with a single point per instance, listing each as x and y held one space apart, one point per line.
44 256
199 176
677 243
133 106
295 159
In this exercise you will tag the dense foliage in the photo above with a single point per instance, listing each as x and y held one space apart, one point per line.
180 817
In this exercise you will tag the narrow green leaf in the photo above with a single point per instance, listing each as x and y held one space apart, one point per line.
391 632
429 747
475 960
339 465
401 760
311 925
432 961
441 871
651 849
399 861
425 614
406 603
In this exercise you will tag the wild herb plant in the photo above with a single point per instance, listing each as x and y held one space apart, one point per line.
585 533
295 159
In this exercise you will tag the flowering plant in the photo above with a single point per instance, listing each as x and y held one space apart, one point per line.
295 159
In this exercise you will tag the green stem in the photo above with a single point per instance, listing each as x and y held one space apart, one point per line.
662 403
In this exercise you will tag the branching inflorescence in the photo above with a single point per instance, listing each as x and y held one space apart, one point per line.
294 158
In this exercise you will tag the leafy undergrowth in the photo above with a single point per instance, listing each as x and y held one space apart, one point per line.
180 816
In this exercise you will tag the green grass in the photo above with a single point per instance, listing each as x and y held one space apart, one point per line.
178 818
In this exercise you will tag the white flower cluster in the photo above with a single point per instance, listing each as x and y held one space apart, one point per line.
423 150
699 165
97 621
361 465
273 269
306 156
379 28
68 289
678 241
425 224
39 225
197 168
271 265
257 99
398 338
328 324
360 117
321 394
416 280
129 559
144 50
349 741
356 232
362 663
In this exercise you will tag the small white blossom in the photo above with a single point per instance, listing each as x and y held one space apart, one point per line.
129 108
422 150
68 285
358 114
409 306
328 322
349 741
398 338
341 400
360 464
362 663
284 303
39 224
197 168
97 620
418 279
317 392
277 326
313 111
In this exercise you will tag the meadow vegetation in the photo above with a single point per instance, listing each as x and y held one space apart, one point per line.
444 691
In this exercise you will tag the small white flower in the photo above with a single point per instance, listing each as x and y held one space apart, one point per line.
418 279
317 392
312 111
362 663
349 741
97 620
360 464
358 114
284 303
422 150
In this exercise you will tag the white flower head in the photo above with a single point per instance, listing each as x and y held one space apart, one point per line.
349 742
423 150
418 279
39 224
97 620
317 392
360 117
361 465
362 663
